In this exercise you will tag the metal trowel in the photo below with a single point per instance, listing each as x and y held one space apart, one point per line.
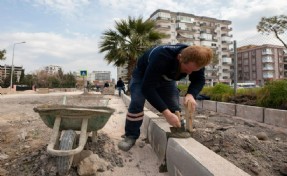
179 132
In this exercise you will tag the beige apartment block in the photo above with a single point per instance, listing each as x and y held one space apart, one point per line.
199 30
122 73
5 71
261 63
52 69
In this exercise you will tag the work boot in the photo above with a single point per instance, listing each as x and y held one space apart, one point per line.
126 144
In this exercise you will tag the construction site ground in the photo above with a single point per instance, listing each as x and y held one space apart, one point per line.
256 148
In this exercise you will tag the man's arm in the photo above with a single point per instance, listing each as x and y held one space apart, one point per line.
197 81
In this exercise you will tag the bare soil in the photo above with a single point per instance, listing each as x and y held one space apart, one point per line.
256 148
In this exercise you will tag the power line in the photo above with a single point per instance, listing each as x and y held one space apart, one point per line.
260 39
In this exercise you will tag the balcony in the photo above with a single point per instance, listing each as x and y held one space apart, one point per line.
226 28
185 21
184 36
208 69
268 68
226 60
162 27
268 76
204 25
163 19
226 42
265 60
224 49
268 52
226 35
185 29
226 70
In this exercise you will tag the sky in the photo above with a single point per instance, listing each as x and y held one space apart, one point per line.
67 33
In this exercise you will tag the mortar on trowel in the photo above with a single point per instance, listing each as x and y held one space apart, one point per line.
180 132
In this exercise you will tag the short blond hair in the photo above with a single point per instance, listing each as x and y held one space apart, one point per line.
200 55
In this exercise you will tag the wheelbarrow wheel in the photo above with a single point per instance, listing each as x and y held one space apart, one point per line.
67 142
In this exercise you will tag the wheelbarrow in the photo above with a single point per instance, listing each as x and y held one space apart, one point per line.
67 119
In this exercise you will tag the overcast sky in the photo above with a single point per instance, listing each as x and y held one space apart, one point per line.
67 32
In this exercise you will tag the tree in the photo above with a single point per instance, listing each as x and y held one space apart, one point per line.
22 77
275 24
128 41
29 80
2 54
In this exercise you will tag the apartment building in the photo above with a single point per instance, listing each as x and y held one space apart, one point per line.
5 71
261 63
100 76
52 69
122 73
199 30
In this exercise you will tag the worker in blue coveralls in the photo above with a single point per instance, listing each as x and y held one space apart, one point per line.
154 79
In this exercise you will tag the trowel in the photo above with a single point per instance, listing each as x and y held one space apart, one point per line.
179 132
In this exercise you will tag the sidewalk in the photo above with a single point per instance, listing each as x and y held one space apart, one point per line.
141 159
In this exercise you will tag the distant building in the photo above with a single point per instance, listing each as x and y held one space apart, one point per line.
261 63
52 69
100 76
5 71
198 30
122 73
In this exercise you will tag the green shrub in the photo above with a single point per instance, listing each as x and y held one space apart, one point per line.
219 92
273 95
248 91
183 89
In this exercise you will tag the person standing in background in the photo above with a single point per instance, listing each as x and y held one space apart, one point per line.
121 86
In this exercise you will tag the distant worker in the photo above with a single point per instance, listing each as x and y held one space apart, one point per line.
121 86
107 84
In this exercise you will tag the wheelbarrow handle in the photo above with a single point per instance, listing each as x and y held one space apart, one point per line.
55 137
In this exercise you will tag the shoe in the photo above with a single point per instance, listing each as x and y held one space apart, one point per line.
126 144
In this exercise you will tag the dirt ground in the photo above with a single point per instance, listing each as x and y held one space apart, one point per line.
24 138
256 148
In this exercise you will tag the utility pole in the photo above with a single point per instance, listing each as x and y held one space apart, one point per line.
12 66
235 66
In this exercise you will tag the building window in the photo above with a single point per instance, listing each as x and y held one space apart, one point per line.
245 61
253 61
245 55
185 19
246 69
254 75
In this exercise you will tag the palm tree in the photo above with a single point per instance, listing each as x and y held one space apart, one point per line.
2 54
130 39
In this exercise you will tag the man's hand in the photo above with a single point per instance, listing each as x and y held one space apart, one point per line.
171 118
189 98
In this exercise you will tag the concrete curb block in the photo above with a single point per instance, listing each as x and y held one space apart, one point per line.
250 112
269 116
226 108
148 115
183 156
189 157
275 117
157 136
209 105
